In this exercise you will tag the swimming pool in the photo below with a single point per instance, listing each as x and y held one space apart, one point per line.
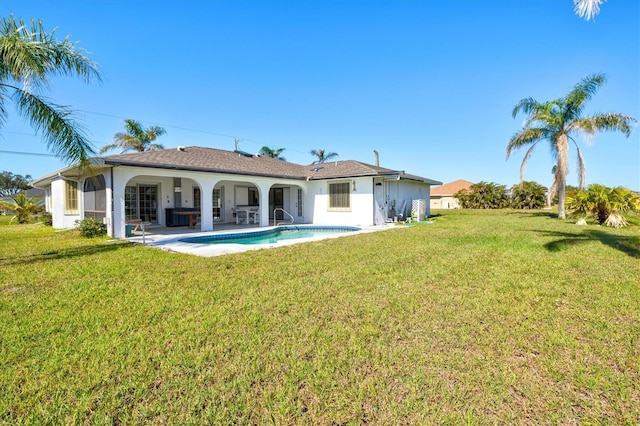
271 236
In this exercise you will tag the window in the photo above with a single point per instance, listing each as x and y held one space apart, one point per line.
95 197
253 197
71 197
131 202
339 196
197 202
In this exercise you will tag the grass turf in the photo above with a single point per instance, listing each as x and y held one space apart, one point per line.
482 317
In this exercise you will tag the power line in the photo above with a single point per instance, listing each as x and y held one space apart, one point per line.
36 154
240 139
164 125
225 135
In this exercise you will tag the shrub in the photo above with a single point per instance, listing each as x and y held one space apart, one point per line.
47 219
606 204
483 195
91 227
528 195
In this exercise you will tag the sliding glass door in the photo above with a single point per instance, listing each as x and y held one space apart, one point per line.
141 202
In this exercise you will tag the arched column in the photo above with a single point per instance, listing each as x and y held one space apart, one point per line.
263 191
206 204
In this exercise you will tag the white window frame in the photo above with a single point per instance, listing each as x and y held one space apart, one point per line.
71 198
335 202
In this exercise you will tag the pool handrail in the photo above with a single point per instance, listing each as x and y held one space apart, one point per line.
275 223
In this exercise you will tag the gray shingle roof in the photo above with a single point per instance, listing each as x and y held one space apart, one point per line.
234 162
210 160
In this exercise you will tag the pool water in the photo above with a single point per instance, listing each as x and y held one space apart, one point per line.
272 236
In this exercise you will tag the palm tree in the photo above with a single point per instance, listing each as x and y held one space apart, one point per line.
322 155
606 204
587 8
29 55
25 208
273 153
528 195
556 121
136 138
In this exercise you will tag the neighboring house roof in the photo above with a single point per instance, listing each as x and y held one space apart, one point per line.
195 158
31 192
451 187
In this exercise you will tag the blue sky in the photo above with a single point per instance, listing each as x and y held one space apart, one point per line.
428 84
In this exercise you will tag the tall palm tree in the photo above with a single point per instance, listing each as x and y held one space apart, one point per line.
29 56
273 153
136 138
587 8
556 121
322 155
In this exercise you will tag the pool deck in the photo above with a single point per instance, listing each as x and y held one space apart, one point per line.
169 239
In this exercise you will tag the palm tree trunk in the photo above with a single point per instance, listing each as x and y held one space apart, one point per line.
562 147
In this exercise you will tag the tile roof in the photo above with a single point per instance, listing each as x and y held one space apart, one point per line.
451 187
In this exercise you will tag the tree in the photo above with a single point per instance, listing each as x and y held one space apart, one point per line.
11 184
587 8
136 138
556 121
322 155
483 195
29 55
528 195
273 153
607 204
25 208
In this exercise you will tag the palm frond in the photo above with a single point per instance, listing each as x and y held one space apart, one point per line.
613 122
63 135
525 160
30 53
526 105
582 168
587 8
108 147
525 137
582 92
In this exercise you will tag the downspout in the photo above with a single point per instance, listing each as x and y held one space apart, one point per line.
113 226
373 192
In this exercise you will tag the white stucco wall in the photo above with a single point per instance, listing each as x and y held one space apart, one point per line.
361 212
370 203
62 220
123 176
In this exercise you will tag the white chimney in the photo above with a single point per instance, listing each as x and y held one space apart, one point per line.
377 158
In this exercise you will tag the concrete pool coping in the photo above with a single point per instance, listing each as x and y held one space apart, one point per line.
171 242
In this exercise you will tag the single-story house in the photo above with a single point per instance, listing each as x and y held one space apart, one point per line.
442 197
163 187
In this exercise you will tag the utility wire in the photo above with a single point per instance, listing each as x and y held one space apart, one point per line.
225 135
36 154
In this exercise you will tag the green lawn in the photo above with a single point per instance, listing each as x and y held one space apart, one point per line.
479 318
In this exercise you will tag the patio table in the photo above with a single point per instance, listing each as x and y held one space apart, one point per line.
193 217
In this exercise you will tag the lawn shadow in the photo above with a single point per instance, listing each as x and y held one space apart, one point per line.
60 254
536 213
629 245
